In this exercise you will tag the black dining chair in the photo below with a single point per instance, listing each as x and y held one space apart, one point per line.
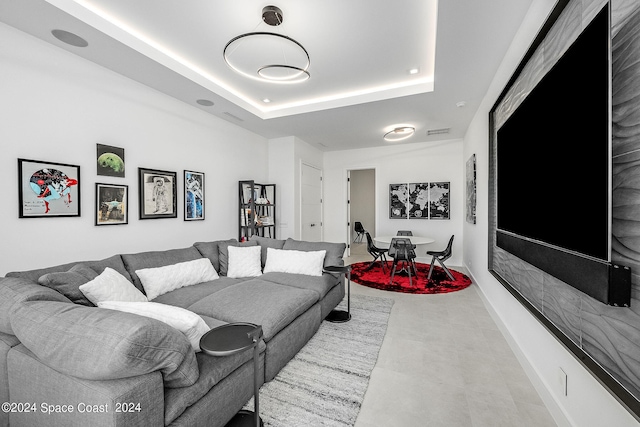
358 228
441 257
402 251
376 252
404 233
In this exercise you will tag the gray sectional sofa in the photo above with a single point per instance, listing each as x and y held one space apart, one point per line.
65 362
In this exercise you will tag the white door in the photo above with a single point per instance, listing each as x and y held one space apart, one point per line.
311 203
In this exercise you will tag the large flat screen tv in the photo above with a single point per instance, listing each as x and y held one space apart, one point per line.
553 152
553 171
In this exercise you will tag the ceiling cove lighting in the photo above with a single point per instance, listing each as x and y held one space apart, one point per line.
267 56
399 133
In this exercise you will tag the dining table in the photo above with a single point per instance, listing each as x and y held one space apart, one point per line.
415 240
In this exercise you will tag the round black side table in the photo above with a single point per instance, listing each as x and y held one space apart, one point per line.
230 339
340 316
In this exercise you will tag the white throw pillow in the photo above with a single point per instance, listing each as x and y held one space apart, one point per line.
296 262
160 280
187 322
111 286
244 261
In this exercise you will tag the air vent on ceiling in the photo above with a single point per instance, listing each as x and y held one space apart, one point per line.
233 117
438 131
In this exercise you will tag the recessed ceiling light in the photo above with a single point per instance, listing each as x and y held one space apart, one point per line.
205 102
266 100
70 38
399 133
414 71
461 104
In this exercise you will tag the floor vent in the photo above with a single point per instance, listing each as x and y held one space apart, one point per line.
438 131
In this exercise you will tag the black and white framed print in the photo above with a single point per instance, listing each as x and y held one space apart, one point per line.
112 204
157 194
439 205
398 198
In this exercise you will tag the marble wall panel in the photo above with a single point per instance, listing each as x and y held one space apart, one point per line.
526 278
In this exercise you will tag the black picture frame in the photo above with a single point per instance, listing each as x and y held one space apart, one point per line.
398 199
110 161
157 195
194 196
111 204
48 189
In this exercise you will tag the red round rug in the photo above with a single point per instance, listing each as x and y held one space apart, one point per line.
440 283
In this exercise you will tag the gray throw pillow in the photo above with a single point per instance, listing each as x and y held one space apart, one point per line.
69 282
267 242
335 251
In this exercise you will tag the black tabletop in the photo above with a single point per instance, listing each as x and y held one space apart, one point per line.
228 339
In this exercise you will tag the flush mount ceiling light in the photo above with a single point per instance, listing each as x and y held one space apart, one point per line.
267 56
399 133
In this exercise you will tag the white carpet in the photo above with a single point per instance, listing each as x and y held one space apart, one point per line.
325 383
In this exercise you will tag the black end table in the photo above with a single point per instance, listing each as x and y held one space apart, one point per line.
230 339
339 316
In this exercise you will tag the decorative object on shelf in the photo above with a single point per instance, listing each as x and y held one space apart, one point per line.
110 161
471 189
47 189
193 196
398 198
112 204
157 194
257 210
267 56
439 200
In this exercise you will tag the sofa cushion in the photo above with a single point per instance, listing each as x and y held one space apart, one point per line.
160 280
153 259
184 297
265 243
97 344
114 262
210 250
296 262
14 290
69 282
223 253
259 302
321 285
187 322
244 262
111 286
335 251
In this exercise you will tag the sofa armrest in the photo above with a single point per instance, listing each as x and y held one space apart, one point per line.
58 399
99 344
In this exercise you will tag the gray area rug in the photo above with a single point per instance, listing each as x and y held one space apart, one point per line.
325 383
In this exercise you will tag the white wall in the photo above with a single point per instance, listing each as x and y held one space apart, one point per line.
406 163
56 107
587 404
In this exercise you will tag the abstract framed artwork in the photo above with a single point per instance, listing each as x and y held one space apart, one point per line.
398 199
110 161
471 190
157 195
439 204
419 200
48 189
112 204
193 196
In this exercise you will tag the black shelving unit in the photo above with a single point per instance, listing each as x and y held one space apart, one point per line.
257 210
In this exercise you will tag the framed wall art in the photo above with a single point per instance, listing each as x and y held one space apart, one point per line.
48 189
398 199
110 161
157 194
419 200
471 189
439 207
193 196
112 204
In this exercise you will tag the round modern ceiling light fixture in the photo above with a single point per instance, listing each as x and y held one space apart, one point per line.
69 38
399 133
267 56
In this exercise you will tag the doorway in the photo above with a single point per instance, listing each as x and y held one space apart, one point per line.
361 207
